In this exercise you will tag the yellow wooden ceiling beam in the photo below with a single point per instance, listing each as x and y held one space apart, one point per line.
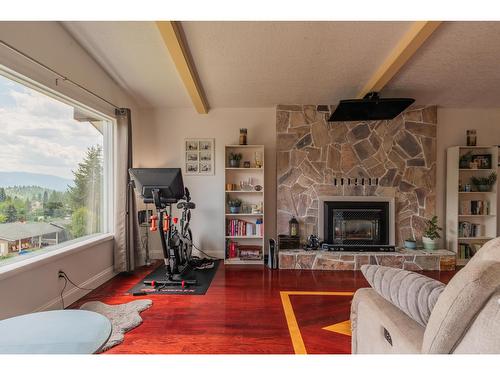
404 50
171 32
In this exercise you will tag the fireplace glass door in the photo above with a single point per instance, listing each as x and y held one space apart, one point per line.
356 223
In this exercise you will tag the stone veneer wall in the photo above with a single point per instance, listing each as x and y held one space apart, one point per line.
311 153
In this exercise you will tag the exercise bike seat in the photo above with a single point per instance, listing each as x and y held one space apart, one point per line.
186 205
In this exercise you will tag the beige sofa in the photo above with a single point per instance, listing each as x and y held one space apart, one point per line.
465 318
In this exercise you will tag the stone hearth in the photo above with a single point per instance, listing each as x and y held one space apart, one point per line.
412 260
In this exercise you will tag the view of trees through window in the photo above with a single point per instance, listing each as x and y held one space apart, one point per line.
51 172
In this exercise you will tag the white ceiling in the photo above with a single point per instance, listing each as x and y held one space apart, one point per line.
261 64
134 55
458 66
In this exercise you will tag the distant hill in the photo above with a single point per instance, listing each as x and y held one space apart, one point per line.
34 179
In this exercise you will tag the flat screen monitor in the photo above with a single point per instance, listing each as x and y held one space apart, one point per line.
167 180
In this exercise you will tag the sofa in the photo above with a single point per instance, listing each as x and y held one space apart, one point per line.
464 319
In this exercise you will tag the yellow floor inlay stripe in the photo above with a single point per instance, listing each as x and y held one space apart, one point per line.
343 328
293 326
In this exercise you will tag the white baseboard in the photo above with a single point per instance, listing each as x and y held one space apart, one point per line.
74 294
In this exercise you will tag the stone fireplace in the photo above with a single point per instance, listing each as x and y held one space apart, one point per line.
356 223
393 159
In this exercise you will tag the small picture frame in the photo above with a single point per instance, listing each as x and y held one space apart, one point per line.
199 156
192 168
205 156
483 161
191 145
205 168
191 156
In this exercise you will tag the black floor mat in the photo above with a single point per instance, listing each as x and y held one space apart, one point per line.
203 277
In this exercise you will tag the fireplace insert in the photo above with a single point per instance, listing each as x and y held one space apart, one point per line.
356 225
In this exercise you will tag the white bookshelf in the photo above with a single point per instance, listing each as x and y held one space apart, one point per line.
248 197
454 198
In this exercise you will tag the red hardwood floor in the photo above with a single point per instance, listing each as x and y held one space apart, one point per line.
241 312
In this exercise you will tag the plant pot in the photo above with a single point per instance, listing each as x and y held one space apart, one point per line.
234 163
234 209
410 244
430 244
483 188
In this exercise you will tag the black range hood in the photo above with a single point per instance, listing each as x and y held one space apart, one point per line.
371 107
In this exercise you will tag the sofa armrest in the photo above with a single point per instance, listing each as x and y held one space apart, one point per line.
371 316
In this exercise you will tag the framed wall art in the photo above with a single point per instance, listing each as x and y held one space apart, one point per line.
199 155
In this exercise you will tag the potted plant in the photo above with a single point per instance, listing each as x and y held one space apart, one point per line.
465 160
431 236
234 205
234 160
410 243
484 183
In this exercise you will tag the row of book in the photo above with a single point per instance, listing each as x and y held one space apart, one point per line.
474 207
468 229
242 251
466 251
237 227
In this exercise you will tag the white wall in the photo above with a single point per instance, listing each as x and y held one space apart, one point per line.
49 42
160 144
452 124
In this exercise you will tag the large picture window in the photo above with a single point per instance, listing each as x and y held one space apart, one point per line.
54 170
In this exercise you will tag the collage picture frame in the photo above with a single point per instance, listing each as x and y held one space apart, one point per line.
199 156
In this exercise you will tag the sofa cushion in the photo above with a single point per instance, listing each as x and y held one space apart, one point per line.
413 293
463 299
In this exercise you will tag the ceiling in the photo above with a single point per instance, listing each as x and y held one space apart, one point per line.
261 64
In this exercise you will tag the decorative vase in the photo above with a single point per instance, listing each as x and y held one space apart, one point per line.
234 163
409 244
483 188
430 244
234 209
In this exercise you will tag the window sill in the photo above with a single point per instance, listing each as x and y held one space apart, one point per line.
27 264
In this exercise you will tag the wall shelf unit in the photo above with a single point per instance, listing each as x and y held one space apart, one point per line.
241 247
466 231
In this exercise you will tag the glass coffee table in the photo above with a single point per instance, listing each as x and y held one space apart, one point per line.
54 332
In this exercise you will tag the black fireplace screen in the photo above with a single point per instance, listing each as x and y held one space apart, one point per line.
356 223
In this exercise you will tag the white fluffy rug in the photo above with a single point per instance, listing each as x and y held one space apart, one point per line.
123 317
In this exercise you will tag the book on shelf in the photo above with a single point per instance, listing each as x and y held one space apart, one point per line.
467 251
242 251
237 227
468 229
474 207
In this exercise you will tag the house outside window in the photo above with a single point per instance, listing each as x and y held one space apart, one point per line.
55 170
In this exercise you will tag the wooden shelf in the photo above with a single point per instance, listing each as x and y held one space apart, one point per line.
476 192
245 191
454 198
244 146
244 169
259 262
475 170
246 237
462 262
235 177
254 215
479 238
477 215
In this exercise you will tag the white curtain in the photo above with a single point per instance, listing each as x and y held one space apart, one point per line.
127 249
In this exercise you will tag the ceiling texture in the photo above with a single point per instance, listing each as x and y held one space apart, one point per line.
261 64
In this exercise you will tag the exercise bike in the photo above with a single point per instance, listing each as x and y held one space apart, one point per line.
164 187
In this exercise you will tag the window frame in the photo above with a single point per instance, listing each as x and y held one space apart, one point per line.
108 179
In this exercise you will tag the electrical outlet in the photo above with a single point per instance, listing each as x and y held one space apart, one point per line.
61 275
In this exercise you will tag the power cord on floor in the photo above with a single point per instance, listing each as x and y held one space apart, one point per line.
66 278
